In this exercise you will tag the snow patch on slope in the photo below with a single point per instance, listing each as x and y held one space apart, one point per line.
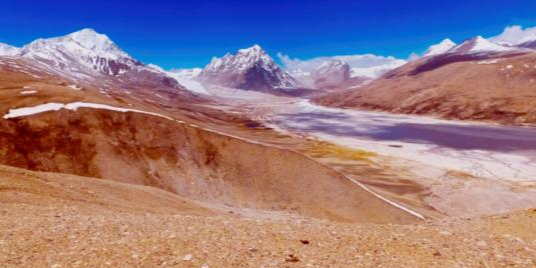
485 62
27 111
28 92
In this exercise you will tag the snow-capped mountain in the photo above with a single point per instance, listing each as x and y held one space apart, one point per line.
85 48
7 50
476 45
89 59
250 69
336 69
328 74
439 48
336 74
479 45
331 74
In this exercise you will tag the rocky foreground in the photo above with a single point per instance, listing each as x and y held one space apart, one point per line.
55 220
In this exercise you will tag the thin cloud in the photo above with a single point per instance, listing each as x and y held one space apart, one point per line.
515 35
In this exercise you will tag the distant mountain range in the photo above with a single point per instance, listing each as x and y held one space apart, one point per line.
444 79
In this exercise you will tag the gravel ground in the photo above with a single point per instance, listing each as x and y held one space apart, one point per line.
57 220
52 236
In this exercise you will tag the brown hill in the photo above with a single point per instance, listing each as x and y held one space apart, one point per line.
498 88
180 157
89 195
189 161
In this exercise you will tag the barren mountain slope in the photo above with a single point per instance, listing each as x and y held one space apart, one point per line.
178 156
57 220
88 195
189 161
498 89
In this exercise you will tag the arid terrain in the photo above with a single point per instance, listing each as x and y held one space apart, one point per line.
494 89
107 162
59 220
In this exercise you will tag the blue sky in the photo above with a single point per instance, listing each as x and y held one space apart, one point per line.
185 34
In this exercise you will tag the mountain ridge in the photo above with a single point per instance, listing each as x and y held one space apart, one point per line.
249 69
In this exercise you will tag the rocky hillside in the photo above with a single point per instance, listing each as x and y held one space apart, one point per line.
189 161
476 80
181 148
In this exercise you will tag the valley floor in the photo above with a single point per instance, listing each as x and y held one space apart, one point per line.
455 163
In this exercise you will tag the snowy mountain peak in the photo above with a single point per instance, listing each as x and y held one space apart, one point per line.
333 66
85 41
92 40
82 49
440 48
242 60
250 68
479 44
253 54
7 50
331 73
253 50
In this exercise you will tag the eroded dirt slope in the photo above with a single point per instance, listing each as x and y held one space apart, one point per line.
190 161
82 195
